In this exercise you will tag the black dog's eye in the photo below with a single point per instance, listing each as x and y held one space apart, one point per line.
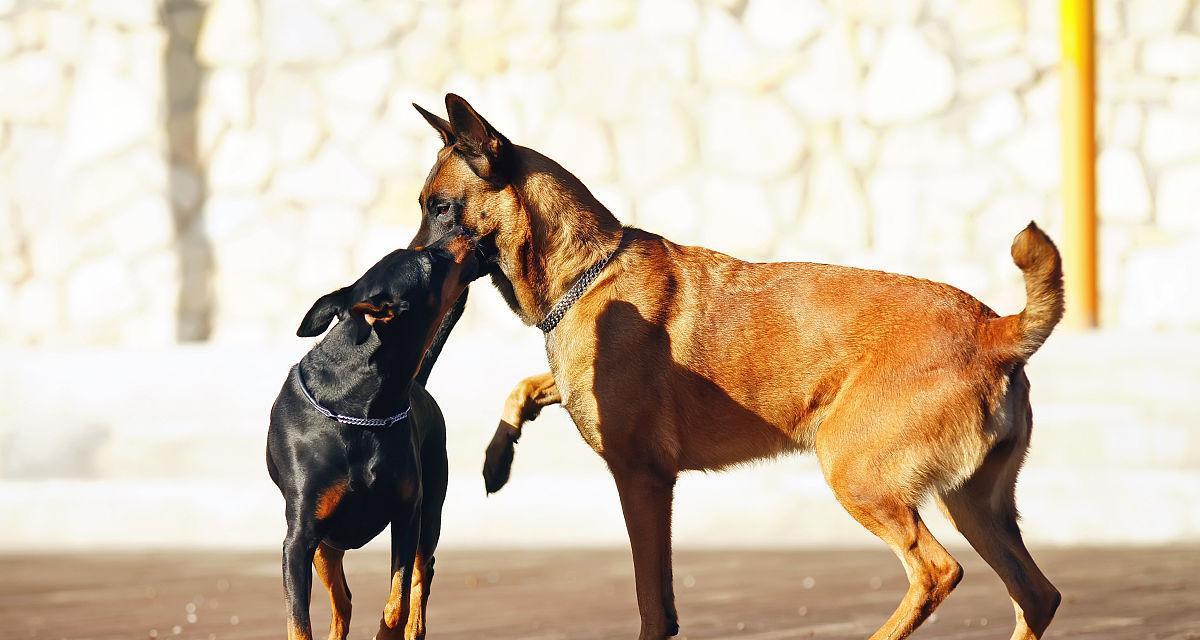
445 211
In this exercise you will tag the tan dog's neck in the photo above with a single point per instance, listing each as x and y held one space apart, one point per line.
569 231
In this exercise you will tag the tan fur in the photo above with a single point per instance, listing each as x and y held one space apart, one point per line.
330 498
682 358
328 564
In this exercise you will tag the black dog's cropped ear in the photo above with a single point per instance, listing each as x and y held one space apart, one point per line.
439 124
485 148
317 320
364 314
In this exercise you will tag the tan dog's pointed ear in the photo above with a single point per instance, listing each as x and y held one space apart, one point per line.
441 125
485 148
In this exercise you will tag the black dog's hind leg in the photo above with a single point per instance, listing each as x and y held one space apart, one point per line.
298 549
406 532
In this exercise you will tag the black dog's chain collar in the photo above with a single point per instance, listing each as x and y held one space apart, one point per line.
576 291
350 420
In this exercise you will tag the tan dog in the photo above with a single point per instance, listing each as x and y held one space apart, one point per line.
680 358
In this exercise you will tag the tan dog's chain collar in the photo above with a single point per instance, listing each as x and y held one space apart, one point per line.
576 291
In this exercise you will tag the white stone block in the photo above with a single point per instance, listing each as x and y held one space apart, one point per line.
227 93
366 27
8 39
656 145
835 215
679 18
1126 127
975 19
333 226
726 57
1170 137
784 24
1002 75
140 226
36 328
296 33
672 211
33 88
1160 288
738 218
226 216
599 13
65 34
1154 17
1121 183
333 175
362 81
598 73
1178 203
99 294
908 79
107 114
826 87
859 143
1175 57
894 212
748 136
242 162
882 13
996 119
1034 155
127 13
579 144
230 34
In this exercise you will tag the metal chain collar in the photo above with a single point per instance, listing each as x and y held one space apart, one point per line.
350 420
576 291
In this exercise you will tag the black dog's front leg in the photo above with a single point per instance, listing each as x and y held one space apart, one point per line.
298 549
406 533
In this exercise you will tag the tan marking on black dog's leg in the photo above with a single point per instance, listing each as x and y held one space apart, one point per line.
422 574
405 534
328 563
330 498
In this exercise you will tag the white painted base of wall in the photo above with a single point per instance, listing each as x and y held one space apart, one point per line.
164 448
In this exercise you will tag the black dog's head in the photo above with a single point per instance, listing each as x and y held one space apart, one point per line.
404 296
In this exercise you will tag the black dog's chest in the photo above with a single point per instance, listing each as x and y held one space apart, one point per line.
383 485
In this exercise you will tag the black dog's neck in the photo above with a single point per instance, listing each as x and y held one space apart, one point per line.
372 380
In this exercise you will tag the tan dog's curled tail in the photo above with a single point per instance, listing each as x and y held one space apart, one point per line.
1018 336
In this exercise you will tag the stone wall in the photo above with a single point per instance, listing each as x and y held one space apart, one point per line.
177 170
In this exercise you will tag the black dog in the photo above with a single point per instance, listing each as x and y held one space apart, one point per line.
356 443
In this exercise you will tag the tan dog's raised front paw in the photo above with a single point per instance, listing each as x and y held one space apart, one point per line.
497 462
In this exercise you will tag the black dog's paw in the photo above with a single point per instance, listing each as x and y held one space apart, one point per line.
497 462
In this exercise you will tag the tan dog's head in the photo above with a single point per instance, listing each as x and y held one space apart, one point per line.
470 183
524 210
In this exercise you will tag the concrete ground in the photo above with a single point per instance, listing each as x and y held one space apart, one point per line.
1115 594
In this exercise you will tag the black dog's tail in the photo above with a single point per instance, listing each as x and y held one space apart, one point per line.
439 339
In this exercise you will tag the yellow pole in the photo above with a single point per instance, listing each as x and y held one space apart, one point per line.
1077 70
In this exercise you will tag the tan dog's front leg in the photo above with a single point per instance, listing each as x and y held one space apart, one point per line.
524 403
646 502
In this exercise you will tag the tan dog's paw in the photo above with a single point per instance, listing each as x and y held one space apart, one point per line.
497 462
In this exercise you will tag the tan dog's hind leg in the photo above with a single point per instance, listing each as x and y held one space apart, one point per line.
932 571
874 493
984 511
646 502
328 563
